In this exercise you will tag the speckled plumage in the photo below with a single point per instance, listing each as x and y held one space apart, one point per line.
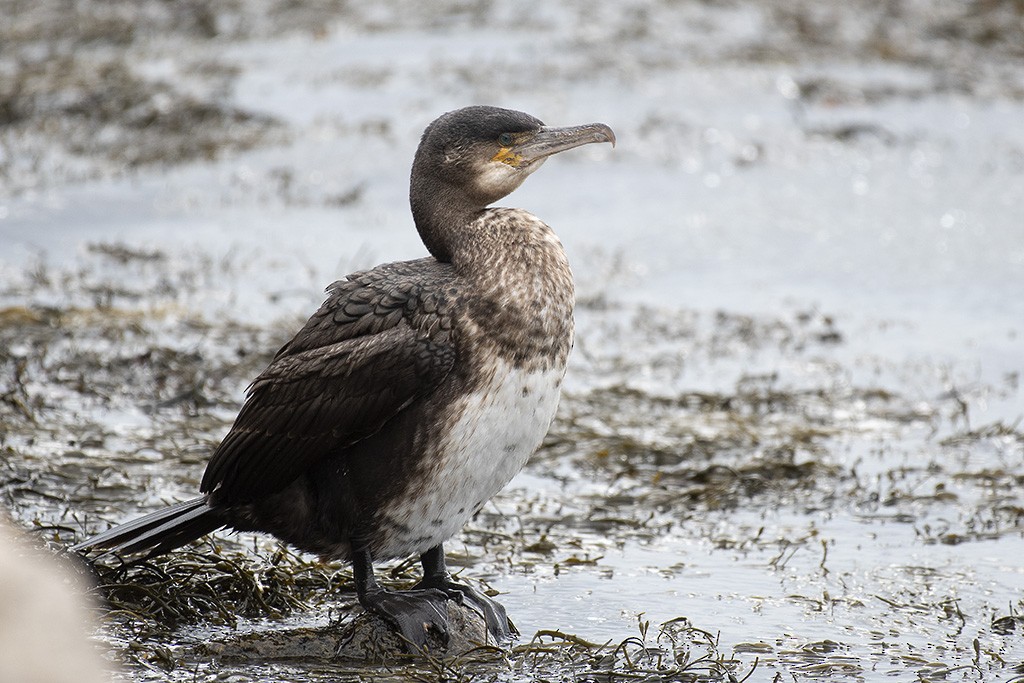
457 348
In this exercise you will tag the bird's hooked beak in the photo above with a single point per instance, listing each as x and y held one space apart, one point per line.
548 140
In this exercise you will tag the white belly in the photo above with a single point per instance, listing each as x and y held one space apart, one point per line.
496 431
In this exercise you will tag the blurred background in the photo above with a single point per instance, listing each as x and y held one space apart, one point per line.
863 154
807 250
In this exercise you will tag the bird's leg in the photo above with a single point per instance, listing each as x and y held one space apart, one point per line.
413 613
436 577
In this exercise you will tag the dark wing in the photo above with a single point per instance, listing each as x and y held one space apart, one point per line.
370 351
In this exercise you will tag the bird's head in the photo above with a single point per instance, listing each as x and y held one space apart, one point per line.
488 152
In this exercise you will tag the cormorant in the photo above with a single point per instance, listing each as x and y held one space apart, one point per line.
416 391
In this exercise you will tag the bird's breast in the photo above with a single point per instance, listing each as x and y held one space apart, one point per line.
512 330
484 438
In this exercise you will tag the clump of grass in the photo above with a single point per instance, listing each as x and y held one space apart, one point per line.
1010 623
212 584
677 651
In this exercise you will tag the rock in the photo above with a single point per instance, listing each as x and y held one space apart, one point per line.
366 638
44 618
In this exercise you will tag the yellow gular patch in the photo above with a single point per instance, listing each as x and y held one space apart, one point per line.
507 156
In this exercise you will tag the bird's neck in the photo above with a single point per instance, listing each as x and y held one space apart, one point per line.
441 212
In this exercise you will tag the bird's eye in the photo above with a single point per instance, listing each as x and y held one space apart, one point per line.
506 139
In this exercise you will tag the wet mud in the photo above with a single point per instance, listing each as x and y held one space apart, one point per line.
766 469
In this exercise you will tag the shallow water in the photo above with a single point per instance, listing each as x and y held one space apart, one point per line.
792 414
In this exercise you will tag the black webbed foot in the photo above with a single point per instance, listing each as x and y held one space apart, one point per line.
414 613
436 577
498 625
423 610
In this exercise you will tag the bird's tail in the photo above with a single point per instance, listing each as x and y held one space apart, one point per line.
157 532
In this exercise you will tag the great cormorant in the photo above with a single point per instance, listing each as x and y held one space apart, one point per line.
415 392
